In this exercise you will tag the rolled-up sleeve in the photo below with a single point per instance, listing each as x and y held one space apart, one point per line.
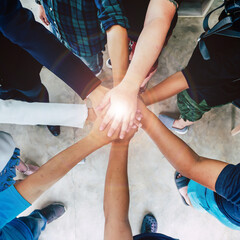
20 27
110 13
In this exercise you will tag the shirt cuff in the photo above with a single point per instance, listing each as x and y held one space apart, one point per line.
114 21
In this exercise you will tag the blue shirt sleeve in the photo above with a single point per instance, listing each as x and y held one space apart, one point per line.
110 13
228 184
20 27
11 205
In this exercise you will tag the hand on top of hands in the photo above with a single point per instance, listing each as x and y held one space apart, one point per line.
120 106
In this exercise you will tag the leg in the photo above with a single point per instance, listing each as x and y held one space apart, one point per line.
38 219
190 111
94 63
35 222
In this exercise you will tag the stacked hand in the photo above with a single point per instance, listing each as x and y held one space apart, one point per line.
120 105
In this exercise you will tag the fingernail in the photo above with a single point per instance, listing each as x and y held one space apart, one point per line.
101 128
109 134
139 118
134 126
121 136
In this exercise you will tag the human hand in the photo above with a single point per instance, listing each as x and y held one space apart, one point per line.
97 96
120 104
42 15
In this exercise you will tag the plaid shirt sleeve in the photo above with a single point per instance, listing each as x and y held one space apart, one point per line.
110 13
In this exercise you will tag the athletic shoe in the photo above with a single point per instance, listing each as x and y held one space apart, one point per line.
53 211
149 224
168 122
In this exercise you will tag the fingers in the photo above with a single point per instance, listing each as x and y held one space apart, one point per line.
114 126
107 118
124 128
46 21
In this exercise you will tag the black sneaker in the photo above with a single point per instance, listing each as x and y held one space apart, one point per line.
149 224
54 130
53 211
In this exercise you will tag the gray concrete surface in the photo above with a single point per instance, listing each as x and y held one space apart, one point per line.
150 175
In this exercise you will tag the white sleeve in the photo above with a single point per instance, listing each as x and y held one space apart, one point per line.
24 113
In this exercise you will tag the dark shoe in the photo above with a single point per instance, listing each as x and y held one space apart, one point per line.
180 183
53 211
6 94
149 224
54 130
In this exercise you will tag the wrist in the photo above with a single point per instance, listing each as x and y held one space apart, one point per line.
130 85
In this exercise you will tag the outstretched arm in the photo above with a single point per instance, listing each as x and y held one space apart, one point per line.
151 40
200 169
116 196
48 174
115 24
158 19
169 87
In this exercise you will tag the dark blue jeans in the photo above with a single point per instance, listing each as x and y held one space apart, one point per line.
35 222
152 236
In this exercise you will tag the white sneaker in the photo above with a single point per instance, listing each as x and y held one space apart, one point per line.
109 64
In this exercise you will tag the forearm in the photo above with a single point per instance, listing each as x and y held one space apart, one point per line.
169 87
116 196
180 155
48 174
117 40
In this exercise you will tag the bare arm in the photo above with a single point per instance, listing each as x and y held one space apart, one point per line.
202 170
169 87
151 40
117 41
48 174
116 196
158 19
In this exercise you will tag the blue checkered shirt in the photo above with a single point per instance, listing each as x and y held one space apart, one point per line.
81 24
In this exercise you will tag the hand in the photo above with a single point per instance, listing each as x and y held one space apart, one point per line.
42 15
120 103
96 97
101 137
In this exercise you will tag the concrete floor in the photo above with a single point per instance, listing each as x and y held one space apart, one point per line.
150 175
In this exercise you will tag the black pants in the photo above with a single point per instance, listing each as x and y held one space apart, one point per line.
19 71
152 236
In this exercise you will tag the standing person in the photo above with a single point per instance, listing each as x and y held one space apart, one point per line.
18 197
19 77
116 199
158 20
85 27
19 26
214 185
202 84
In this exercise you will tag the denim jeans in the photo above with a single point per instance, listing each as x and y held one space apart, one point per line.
203 198
94 63
35 222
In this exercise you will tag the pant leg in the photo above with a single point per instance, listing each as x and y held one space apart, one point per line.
35 222
18 69
94 63
203 199
152 236
189 109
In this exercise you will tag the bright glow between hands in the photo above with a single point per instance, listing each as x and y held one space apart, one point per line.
118 111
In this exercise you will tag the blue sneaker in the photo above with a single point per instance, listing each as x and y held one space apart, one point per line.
168 122
149 224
